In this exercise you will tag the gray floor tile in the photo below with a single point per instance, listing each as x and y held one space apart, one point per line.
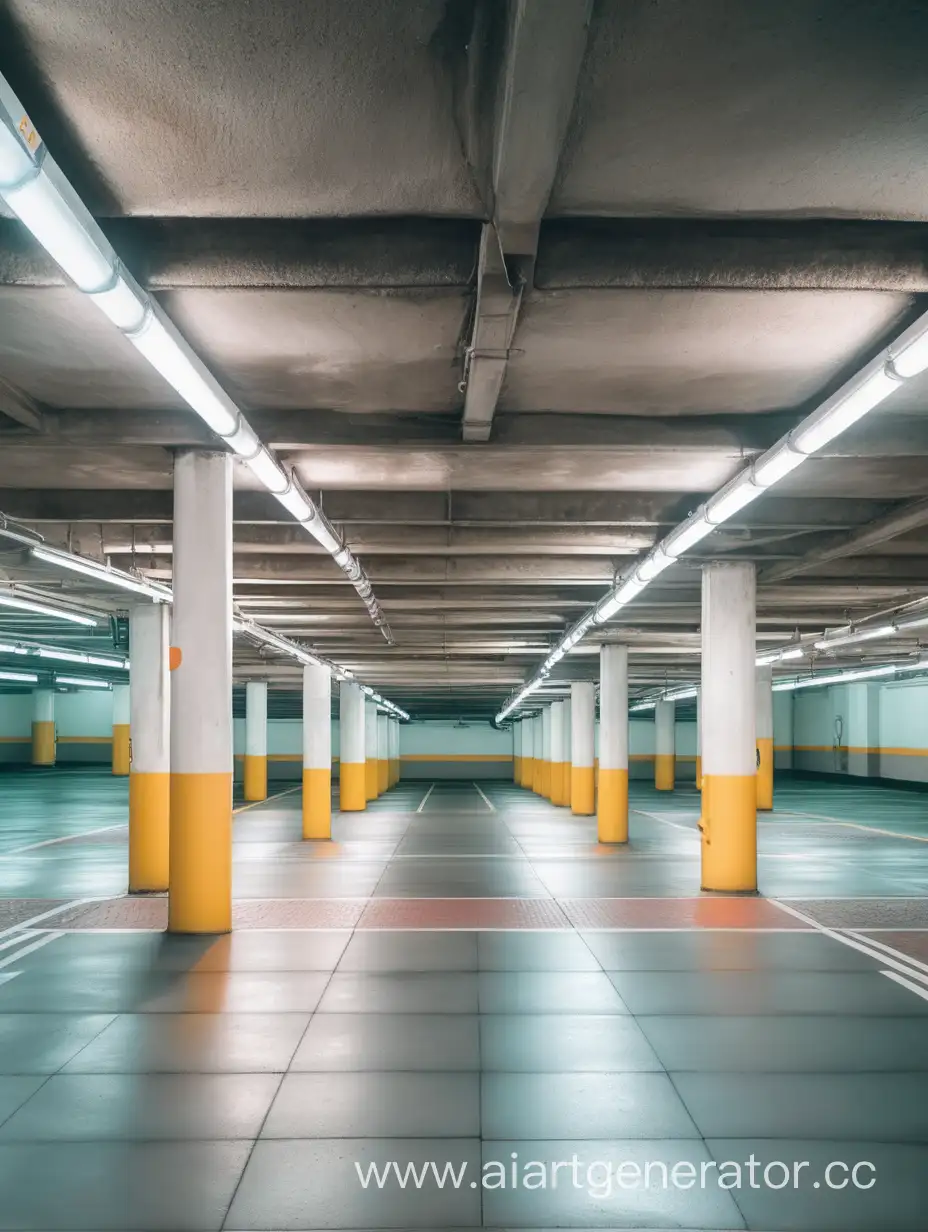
42 1043
376 1105
75 1107
548 992
99 1187
896 1203
296 1185
721 993
389 1042
425 992
193 1044
15 1091
734 950
528 951
784 1044
597 1200
539 1106
565 1043
410 951
872 1107
275 992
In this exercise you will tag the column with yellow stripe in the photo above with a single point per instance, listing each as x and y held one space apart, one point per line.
527 761
582 723
352 768
383 753
201 703
317 752
255 772
371 777
150 763
538 744
763 686
394 742
43 727
729 789
664 745
559 770
546 752
612 801
121 728
698 742
515 730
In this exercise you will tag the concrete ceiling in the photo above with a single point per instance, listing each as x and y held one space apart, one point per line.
511 286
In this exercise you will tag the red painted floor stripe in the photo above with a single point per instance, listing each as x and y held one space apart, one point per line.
914 944
676 913
468 913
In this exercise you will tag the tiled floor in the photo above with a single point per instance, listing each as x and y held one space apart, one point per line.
470 985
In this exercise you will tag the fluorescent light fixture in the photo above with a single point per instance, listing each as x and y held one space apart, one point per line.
854 636
654 563
776 464
102 573
267 469
77 656
297 504
644 705
166 351
122 303
732 498
780 656
42 206
82 682
680 694
865 673
44 609
916 622
687 535
5 649
843 411
912 356
20 677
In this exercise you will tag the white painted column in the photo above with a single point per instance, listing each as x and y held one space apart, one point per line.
255 775
516 730
352 772
538 743
121 725
559 772
699 741
317 752
150 761
612 806
383 753
582 723
201 710
665 755
729 802
763 735
783 729
546 752
43 727
863 729
528 753
370 749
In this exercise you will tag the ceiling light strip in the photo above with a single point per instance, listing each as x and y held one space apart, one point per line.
35 189
904 358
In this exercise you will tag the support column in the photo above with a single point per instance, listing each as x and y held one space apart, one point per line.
698 742
546 752
528 754
863 730
516 730
201 704
729 793
43 727
150 768
394 729
383 754
664 745
370 750
783 729
256 740
317 751
566 705
559 770
582 723
612 804
121 729
352 770
538 743
763 735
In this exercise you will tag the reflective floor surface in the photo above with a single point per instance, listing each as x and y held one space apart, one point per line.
465 978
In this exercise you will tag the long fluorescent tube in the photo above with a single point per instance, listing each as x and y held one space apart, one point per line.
20 677
780 656
6 649
82 682
77 656
44 609
843 410
866 673
102 573
854 636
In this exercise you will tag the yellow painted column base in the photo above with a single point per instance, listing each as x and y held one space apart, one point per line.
528 772
352 787
729 833
558 783
43 744
664 771
317 803
149 831
121 749
537 766
698 773
370 778
383 775
394 771
764 774
255 780
582 790
612 806
517 769
200 854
